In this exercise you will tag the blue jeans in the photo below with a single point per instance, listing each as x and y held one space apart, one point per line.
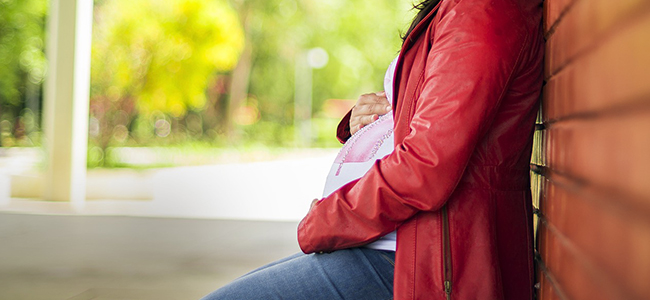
357 273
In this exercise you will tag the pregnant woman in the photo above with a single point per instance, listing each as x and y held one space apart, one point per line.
431 200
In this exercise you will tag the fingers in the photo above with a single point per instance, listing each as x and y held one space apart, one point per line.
374 103
355 128
373 98
365 120
361 121
372 109
368 109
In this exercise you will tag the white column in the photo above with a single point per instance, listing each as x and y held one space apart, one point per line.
315 58
67 90
302 101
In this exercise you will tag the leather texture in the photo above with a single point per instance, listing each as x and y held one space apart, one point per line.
467 86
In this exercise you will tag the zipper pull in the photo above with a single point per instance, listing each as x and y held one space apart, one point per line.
448 289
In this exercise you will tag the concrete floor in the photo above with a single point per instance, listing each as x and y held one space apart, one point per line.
278 190
105 257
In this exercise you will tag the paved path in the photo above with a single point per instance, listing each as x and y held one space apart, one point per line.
280 190
107 258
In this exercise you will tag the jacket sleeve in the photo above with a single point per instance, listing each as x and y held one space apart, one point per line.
343 130
472 57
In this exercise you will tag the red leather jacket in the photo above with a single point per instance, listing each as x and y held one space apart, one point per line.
456 187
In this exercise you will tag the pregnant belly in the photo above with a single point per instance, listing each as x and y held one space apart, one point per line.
360 152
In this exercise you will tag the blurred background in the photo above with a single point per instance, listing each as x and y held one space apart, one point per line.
188 83
204 77
210 128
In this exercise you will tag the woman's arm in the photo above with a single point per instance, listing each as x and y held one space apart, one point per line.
469 67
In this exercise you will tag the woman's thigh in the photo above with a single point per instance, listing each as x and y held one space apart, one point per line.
357 273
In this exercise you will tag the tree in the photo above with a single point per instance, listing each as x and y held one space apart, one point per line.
22 67
155 59
361 38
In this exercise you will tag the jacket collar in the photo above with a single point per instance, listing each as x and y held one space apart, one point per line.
412 37
408 43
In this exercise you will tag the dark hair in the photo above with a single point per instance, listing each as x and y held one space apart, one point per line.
424 8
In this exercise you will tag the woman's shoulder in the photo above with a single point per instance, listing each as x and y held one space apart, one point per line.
501 25
492 12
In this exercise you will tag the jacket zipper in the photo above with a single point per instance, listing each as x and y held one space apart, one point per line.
446 252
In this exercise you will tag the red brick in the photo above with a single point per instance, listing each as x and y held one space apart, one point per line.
609 242
572 278
553 10
607 151
613 75
585 25
546 291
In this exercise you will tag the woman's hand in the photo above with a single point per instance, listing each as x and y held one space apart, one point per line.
368 109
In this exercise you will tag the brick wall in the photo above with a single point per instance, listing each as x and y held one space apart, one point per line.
591 162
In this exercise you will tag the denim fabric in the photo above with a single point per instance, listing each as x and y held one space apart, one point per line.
358 273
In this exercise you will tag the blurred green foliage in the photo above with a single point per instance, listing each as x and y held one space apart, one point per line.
361 38
152 62
162 53
22 70
207 72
